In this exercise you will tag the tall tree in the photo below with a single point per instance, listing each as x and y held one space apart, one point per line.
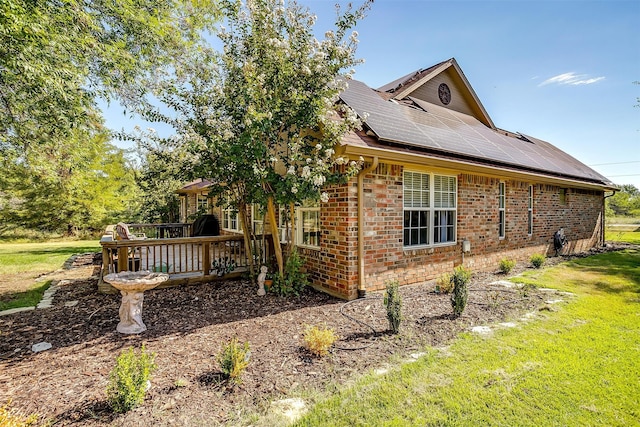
262 116
56 56
85 183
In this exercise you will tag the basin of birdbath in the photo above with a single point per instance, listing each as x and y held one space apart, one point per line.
132 285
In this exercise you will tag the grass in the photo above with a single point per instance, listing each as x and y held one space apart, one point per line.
576 366
41 257
22 263
29 298
623 236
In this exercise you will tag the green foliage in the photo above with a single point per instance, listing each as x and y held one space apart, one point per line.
128 381
294 280
393 304
83 183
58 57
537 260
460 279
506 265
261 115
444 283
234 360
319 340
625 203
160 174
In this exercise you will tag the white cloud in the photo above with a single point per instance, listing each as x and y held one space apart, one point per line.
572 79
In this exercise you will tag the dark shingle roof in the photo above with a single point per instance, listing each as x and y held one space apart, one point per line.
433 128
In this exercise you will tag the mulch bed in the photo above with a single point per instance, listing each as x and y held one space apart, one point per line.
187 327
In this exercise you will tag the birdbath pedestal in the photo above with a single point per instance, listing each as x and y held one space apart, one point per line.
132 285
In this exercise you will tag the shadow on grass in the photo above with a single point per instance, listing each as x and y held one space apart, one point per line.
57 251
28 298
623 264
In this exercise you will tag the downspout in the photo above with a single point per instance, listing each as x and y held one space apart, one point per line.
603 215
361 287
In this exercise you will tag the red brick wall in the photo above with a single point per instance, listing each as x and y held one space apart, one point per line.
335 267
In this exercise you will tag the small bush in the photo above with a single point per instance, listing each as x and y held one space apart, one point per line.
393 303
294 280
10 418
537 260
319 340
460 279
233 360
444 284
506 265
129 378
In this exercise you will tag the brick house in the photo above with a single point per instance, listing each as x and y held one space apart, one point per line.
441 186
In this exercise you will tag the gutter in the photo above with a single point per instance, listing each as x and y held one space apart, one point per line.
361 286
493 170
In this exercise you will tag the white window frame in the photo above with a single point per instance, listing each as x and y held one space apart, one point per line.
301 230
229 216
502 212
430 204
257 220
530 212
202 201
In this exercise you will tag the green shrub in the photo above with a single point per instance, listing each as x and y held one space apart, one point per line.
444 284
294 280
393 303
128 381
537 260
319 340
460 279
506 265
233 360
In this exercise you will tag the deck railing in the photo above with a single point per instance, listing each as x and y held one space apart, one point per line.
185 259
162 231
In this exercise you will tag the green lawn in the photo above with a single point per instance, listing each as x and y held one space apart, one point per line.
22 263
577 365
623 236
41 257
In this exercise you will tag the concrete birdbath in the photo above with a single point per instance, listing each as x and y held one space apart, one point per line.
131 285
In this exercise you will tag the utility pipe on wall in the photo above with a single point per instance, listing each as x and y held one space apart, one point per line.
361 287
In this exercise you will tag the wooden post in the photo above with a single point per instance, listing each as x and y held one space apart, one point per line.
123 259
206 258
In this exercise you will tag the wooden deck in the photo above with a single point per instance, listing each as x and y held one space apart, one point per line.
185 259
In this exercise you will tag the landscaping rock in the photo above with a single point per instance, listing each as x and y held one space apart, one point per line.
41 346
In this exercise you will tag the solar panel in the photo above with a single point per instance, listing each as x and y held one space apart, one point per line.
437 128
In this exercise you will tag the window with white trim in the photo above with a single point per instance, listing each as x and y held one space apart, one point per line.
501 210
257 219
530 212
430 209
308 227
230 220
202 203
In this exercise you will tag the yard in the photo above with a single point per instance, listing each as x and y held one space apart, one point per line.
544 370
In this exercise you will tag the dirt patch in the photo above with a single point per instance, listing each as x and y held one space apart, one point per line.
187 327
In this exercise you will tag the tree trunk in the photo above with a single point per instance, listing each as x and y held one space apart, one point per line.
271 212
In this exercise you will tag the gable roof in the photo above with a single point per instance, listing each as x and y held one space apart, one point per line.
196 186
428 129
405 86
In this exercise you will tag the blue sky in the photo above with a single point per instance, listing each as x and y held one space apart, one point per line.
562 71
